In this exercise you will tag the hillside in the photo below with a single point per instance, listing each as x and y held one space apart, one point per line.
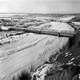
28 42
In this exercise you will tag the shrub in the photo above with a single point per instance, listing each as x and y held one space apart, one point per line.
23 76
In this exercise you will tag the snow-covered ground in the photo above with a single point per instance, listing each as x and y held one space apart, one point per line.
29 50
57 26
33 49
66 18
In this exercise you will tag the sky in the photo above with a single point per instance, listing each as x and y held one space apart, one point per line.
39 6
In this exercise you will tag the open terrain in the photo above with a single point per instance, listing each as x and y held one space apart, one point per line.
30 40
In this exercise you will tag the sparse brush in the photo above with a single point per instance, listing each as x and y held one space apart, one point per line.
23 76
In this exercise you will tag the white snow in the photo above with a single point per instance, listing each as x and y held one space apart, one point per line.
56 26
4 28
32 49
66 18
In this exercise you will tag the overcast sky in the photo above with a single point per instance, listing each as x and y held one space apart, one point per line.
39 6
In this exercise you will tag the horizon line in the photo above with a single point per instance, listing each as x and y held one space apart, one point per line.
40 13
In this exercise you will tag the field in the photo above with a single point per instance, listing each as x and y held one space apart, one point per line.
28 41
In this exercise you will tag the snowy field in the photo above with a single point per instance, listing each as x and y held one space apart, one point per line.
30 49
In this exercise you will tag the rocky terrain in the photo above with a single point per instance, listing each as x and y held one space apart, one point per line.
43 46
